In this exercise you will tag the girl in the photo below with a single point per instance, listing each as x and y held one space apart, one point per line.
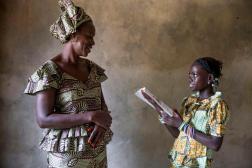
199 126
70 103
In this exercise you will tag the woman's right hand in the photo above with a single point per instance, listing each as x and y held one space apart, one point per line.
100 118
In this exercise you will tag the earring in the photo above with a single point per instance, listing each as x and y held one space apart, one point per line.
215 84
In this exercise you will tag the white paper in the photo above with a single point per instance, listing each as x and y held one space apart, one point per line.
164 107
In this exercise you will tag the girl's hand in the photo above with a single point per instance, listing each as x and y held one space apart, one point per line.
174 121
96 135
100 118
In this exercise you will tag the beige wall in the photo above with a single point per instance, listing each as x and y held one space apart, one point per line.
140 43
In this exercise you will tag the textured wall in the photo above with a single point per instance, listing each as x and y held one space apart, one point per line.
139 42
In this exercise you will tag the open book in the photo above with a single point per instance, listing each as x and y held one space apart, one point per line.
146 96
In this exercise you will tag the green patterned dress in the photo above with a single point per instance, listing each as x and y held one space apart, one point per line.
69 147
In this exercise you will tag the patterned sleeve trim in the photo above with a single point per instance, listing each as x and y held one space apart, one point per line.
47 76
99 72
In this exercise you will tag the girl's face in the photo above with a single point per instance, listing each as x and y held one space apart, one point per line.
198 78
84 39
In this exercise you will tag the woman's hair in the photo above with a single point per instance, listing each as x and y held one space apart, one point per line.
211 65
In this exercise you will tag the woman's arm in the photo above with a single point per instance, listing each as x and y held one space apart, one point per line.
98 132
47 118
103 103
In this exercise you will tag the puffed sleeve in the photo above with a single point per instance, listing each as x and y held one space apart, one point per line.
218 119
100 75
45 77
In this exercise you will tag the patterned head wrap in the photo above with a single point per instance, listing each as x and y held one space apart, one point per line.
70 19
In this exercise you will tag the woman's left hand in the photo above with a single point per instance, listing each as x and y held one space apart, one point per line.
174 121
96 135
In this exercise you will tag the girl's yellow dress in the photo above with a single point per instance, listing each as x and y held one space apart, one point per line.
208 116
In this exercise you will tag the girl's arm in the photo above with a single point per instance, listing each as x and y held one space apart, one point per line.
173 130
170 123
47 118
210 141
174 122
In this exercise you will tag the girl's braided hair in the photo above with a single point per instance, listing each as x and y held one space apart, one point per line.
211 65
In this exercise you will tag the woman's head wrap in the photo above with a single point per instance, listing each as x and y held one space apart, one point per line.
70 19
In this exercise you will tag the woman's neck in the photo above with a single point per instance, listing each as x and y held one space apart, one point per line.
68 55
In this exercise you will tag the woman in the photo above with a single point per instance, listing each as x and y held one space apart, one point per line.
70 105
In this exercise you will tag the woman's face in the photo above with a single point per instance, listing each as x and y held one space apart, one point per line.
198 78
84 39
